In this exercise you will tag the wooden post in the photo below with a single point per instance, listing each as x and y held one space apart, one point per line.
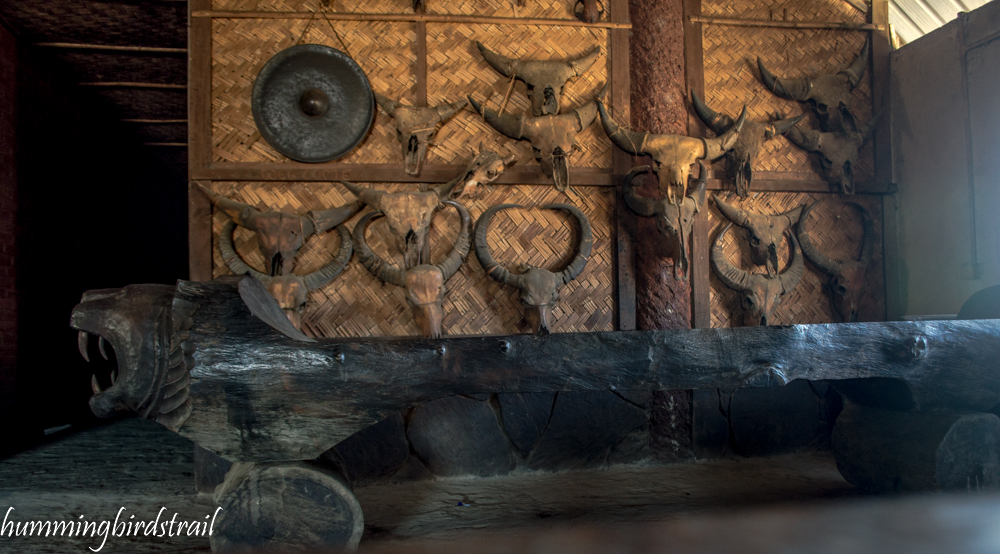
199 233
622 162
694 66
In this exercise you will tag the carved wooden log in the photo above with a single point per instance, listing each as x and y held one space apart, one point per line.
891 451
286 506
250 393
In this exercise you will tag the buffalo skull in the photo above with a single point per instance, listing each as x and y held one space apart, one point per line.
545 79
739 160
485 167
672 154
673 221
847 277
761 293
764 232
424 283
838 149
408 213
552 137
415 127
539 287
827 94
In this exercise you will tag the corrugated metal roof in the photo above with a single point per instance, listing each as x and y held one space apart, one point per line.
913 19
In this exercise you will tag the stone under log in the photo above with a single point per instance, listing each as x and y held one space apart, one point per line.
892 451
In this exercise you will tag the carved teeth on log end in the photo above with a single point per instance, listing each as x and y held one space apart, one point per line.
82 341
100 346
93 384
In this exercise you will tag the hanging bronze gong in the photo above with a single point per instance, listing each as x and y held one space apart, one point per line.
312 103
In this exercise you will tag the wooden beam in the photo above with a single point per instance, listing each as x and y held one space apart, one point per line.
839 25
78 46
199 233
154 121
621 91
124 84
404 17
199 90
694 69
178 144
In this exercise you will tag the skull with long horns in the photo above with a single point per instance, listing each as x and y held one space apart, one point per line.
739 160
552 137
673 221
408 213
828 95
761 293
672 154
415 127
539 287
838 150
424 283
847 277
764 231
486 166
545 79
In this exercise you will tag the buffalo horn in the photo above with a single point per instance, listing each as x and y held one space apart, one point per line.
324 220
575 267
716 147
372 261
387 105
330 271
781 126
232 259
736 215
458 252
583 63
857 69
868 128
448 109
828 265
629 141
504 65
367 195
805 139
493 268
791 89
791 277
717 122
638 204
242 214
508 124
732 276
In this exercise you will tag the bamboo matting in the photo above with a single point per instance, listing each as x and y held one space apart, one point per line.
356 304
353 6
836 231
731 77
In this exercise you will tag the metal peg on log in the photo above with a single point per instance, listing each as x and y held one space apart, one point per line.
893 451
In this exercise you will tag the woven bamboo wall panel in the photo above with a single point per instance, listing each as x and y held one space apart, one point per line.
558 9
455 68
356 304
731 77
353 6
241 47
836 230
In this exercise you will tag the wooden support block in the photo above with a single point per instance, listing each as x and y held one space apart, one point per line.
289 506
892 451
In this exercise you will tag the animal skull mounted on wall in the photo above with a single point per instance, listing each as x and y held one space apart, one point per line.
838 149
545 79
764 232
424 283
751 138
828 95
416 126
539 288
552 137
673 221
408 213
761 293
847 277
672 154
485 167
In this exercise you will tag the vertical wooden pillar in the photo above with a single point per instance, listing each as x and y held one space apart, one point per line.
694 70
622 163
882 144
658 93
199 140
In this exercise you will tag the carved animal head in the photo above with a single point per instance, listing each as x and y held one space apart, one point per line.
539 287
828 95
838 150
416 126
847 277
485 168
424 283
751 138
672 154
408 213
761 294
545 79
289 290
281 235
148 329
764 232
673 221
552 137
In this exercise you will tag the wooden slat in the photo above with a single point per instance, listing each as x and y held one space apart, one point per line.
199 233
881 50
125 84
199 89
421 64
79 46
427 18
838 25
622 162
694 63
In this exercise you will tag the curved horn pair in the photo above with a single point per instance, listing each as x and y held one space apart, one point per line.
388 273
801 89
369 196
499 273
242 214
634 142
738 279
721 123
524 68
313 280
827 264
444 111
